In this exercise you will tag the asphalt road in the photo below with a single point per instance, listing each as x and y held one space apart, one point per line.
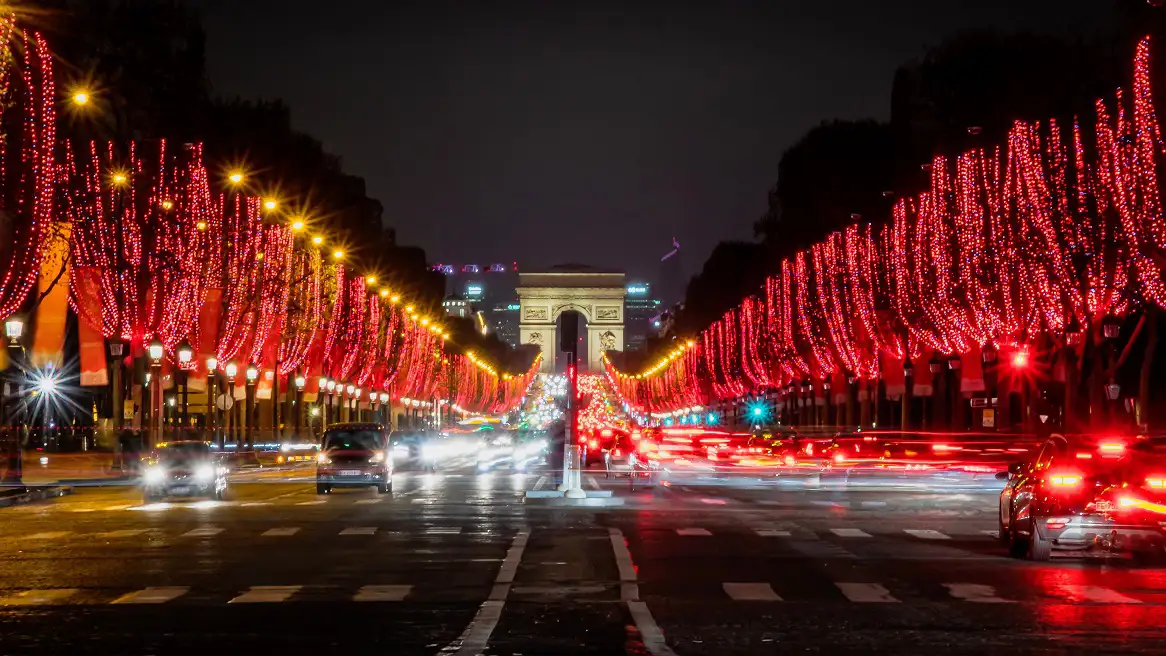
458 563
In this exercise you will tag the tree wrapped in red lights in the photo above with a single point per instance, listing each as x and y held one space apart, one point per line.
1023 246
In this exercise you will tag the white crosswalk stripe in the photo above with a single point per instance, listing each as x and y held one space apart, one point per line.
850 533
692 531
281 532
37 597
151 596
865 593
251 504
122 533
1095 594
444 530
750 592
977 592
202 532
926 534
359 530
312 503
259 594
47 535
365 502
771 533
383 593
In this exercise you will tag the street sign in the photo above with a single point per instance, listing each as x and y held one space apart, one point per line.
981 402
989 418
224 402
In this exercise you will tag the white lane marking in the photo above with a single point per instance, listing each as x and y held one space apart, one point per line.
123 533
37 597
259 594
359 530
312 503
874 504
750 592
151 595
926 534
281 532
542 480
650 633
82 510
365 502
202 532
713 502
977 592
850 533
383 593
255 503
477 634
866 593
444 530
592 482
771 533
692 531
1096 594
118 507
48 535
992 532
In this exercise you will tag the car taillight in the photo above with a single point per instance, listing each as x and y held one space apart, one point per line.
615 453
1111 448
789 461
1157 483
1065 480
593 443
1084 455
839 457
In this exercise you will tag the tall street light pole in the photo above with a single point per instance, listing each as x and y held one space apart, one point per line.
157 350
14 472
185 357
298 409
252 377
232 371
212 365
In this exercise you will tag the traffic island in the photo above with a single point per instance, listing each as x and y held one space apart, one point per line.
592 499
16 496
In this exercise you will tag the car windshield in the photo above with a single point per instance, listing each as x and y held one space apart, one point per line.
354 440
188 451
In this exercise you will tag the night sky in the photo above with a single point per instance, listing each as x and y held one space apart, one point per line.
557 131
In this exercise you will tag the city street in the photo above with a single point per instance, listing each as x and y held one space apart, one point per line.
457 562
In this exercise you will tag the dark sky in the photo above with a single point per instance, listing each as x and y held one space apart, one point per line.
592 132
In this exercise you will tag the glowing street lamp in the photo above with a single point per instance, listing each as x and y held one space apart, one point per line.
81 97
236 177
185 355
14 330
157 349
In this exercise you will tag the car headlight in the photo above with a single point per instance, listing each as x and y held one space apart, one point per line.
377 457
323 458
204 472
155 474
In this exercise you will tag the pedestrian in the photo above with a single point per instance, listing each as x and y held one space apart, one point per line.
557 444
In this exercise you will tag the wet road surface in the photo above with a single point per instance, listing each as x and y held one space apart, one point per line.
457 562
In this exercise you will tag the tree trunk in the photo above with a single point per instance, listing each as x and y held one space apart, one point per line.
1147 367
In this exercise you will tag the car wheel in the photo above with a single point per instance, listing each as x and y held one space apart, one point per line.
1039 549
384 488
1002 533
323 489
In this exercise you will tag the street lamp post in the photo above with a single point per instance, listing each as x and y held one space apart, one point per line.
116 353
14 472
212 365
298 410
252 377
232 370
328 408
349 389
185 356
157 350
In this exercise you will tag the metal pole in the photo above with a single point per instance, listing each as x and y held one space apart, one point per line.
248 409
211 426
276 429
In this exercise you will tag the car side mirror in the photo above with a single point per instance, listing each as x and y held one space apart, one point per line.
1003 476
1014 468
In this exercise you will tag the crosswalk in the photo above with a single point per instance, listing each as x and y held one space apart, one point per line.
753 592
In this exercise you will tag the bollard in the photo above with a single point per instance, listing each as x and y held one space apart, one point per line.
573 477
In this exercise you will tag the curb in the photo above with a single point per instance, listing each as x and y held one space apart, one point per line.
35 495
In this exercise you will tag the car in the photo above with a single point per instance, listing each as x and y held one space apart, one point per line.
1086 493
187 468
631 458
354 455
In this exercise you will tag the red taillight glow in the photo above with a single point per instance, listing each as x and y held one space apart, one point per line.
1156 482
789 461
944 448
615 453
1065 480
593 443
1082 455
839 457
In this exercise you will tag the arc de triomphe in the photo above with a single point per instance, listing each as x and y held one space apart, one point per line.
595 294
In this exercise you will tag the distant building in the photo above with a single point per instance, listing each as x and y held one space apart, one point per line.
456 306
639 309
489 289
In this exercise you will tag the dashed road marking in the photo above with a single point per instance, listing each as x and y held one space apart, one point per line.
650 634
202 532
359 530
123 533
772 533
1096 594
258 594
365 502
151 595
976 592
37 597
865 593
926 534
477 634
850 533
444 530
117 507
750 592
992 533
312 503
255 503
281 532
383 593
692 531
592 482
47 535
